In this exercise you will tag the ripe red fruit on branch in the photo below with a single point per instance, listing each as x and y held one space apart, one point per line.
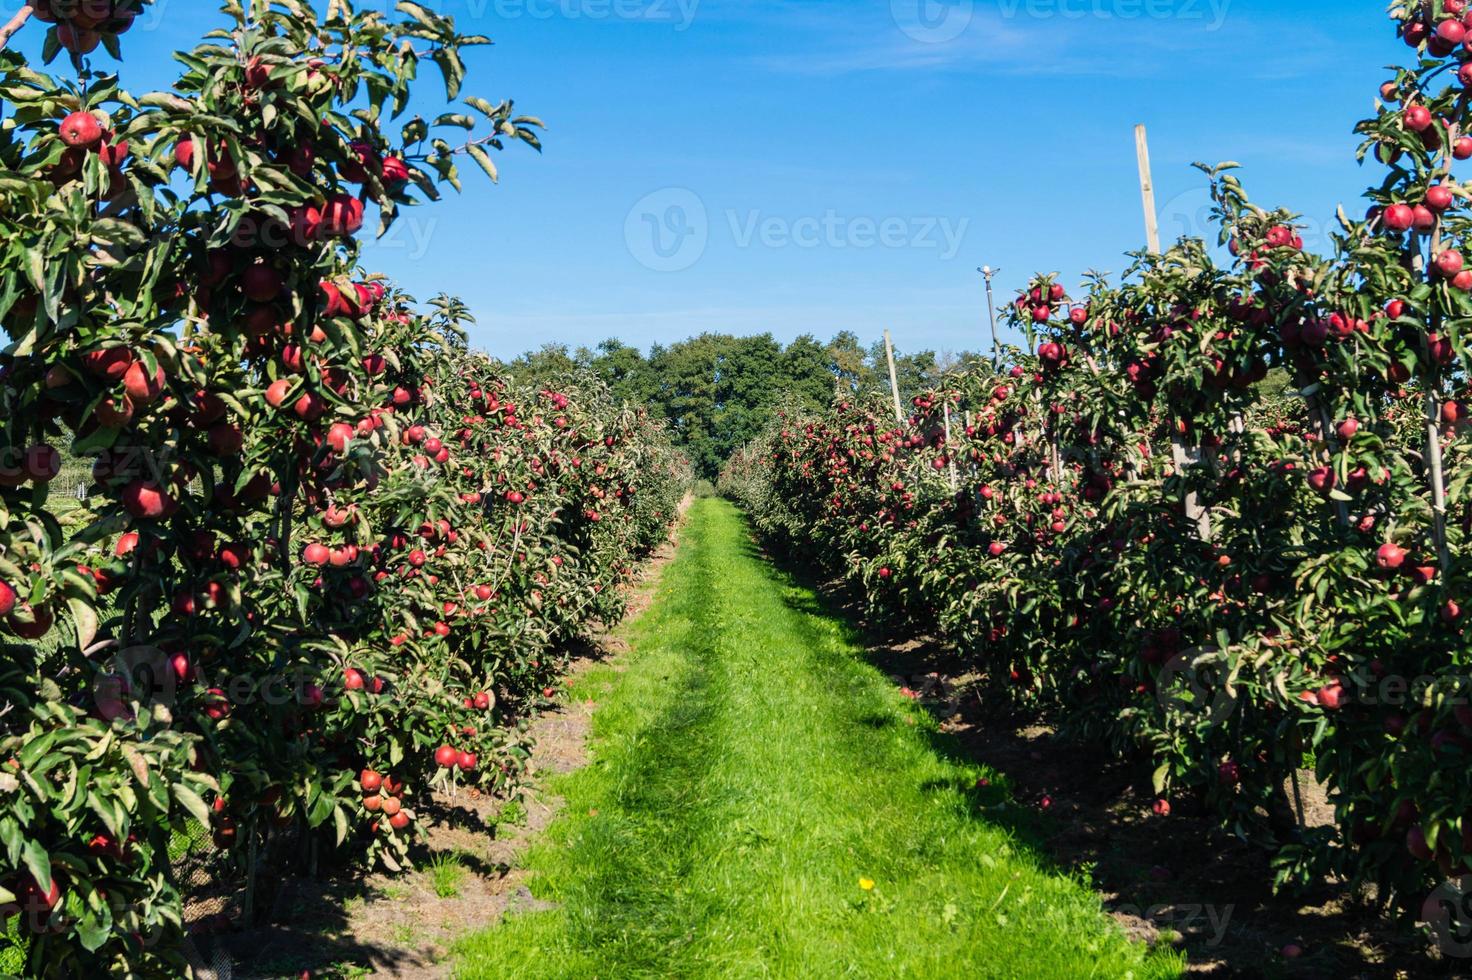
343 216
111 363
467 761
143 388
339 436
309 407
261 283
277 392
226 439
370 780
1439 197
1416 844
1400 217
446 756
77 40
1449 262
81 129
147 501
395 170
316 554
7 600
42 464
235 556
1417 118
1390 557
30 622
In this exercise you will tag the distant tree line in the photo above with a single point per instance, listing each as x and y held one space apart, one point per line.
718 391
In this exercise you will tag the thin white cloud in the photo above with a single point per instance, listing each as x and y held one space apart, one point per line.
1018 37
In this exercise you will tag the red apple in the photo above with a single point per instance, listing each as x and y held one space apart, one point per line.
142 387
80 129
1390 557
261 283
277 392
147 501
338 437
1439 197
43 464
1400 217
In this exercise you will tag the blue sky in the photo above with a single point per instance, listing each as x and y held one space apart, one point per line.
809 166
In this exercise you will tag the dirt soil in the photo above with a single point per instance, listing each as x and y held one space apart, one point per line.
398 926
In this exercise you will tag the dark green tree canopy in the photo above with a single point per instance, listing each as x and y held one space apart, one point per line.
717 391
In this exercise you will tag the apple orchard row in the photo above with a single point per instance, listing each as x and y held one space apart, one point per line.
1208 513
330 553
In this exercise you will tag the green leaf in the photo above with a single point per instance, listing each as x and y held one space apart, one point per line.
192 802
484 159
38 862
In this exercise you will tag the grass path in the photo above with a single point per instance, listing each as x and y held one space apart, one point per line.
763 803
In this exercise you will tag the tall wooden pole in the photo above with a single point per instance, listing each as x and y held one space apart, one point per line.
1147 190
950 448
894 384
1180 455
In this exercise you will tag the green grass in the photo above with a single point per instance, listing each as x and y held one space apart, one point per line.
762 803
446 874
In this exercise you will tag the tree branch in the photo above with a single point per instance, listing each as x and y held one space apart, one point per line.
16 23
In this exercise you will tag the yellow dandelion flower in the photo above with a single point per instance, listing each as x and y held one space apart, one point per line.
867 884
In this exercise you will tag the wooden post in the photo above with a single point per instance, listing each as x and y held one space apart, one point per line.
1147 190
1432 383
1438 480
950 452
894 384
1180 455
